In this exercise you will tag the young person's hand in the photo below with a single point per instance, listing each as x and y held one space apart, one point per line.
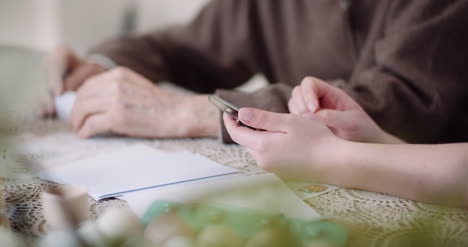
123 102
65 72
316 99
291 146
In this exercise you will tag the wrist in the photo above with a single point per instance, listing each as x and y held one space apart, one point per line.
199 118
336 162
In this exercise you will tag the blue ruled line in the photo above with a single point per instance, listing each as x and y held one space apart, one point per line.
161 185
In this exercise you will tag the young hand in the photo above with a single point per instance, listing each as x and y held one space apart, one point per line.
316 99
123 102
291 146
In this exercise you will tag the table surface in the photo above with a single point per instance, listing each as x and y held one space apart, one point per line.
374 219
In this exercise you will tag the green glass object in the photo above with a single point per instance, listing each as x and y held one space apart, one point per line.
247 222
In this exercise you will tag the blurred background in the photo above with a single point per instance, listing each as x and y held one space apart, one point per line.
42 24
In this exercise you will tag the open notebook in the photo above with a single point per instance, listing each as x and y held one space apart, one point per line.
134 169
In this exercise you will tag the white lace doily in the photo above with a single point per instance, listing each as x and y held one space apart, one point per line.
374 219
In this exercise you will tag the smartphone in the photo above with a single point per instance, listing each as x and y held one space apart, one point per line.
228 108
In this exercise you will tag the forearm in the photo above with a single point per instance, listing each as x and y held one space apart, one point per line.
142 54
201 56
431 173
199 118
387 138
399 89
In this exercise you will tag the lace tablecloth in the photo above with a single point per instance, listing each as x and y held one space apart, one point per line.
374 219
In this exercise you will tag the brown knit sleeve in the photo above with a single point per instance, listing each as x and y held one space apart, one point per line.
416 84
216 50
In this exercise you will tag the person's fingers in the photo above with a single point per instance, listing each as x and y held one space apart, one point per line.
59 62
310 88
45 107
44 103
49 106
292 106
84 109
334 119
80 75
242 135
327 96
265 120
298 101
94 125
310 115
300 105
92 98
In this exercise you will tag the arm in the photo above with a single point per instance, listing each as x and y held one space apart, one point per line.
414 85
409 76
123 102
316 99
216 50
430 173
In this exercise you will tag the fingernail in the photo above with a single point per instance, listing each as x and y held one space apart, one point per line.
312 106
247 115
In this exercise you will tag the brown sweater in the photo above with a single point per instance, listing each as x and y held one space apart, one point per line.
403 61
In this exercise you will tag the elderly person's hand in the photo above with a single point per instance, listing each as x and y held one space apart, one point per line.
65 72
317 99
291 146
123 102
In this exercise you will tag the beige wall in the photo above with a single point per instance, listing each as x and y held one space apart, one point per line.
27 23
42 24
155 14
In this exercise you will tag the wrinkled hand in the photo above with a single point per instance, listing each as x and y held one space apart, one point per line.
66 72
123 102
337 110
292 146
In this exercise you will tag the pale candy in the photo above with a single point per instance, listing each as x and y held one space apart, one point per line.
218 236
118 222
266 238
179 241
65 205
319 243
166 227
59 238
90 234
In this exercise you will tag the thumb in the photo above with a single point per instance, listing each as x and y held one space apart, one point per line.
333 118
310 115
311 91
264 120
